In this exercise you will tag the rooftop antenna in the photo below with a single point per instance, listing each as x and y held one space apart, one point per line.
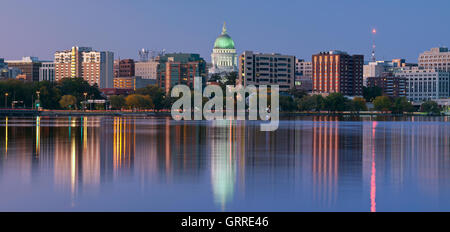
143 55
374 32
224 28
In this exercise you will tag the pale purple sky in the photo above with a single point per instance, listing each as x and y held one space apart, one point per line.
300 28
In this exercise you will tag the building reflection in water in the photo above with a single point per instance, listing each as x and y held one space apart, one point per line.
411 153
225 139
6 137
124 145
324 161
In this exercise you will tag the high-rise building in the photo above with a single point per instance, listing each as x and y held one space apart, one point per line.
8 72
3 64
424 84
68 62
29 67
147 69
373 70
132 82
180 68
391 85
223 57
303 68
124 68
437 58
93 66
267 69
377 68
303 75
338 72
47 71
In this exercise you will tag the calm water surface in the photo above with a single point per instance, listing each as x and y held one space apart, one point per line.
315 163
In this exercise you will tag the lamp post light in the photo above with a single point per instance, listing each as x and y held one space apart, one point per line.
6 99
38 100
85 95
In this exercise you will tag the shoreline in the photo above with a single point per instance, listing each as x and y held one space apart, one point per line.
56 113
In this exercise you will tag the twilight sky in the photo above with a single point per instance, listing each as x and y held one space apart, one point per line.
300 28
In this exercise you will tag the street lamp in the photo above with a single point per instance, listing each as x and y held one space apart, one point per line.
85 95
38 100
6 99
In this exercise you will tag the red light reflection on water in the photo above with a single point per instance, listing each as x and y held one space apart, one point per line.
373 184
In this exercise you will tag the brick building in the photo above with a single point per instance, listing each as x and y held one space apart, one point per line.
337 72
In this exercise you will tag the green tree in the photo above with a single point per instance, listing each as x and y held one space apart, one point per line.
430 107
156 94
358 104
370 93
297 93
382 103
287 103
49 92
18 91
68 102
117 102
137 101
305 103
230 78
308 103
336 102
214 77
49 95
77 87
401 105
224 79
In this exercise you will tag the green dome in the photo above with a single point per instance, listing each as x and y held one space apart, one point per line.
224 41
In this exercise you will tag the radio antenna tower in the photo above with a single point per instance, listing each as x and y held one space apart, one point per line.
374 32
143 55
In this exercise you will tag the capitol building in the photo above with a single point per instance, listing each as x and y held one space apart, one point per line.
223 57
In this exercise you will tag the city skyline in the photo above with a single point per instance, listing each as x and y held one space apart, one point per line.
302 29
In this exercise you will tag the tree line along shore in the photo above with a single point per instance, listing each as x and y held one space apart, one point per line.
74 94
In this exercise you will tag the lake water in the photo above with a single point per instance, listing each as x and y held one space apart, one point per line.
317 163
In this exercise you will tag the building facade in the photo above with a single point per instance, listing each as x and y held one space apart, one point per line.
47 71
436 58
377 68
424 84
146 69
303 68
132 82
7 72
223 57
93 66
303 75
68 62
124 68
373 70
391 85
338 72
267 69
180 68
29 67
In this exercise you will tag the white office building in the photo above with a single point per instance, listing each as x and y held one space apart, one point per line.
437 58
424 84
146 69
47 71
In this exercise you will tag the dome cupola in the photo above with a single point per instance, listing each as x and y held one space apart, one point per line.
224 41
